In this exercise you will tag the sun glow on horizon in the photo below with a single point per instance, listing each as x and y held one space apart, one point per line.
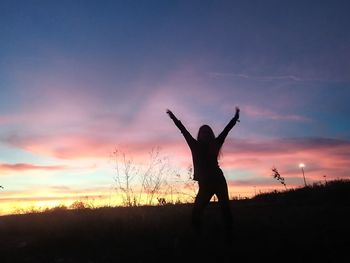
31 203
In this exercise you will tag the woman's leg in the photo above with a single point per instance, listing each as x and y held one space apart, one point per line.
202 200
224 201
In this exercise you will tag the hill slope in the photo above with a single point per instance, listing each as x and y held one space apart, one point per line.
303 225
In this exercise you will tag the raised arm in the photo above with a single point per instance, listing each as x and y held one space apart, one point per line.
222 136
188 137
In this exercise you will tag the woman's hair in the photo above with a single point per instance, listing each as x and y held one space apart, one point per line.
205 134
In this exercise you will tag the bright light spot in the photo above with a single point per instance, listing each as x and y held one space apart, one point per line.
301 165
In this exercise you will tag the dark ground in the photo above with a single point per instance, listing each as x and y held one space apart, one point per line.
309 226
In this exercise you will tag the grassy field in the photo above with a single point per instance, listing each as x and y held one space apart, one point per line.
304 225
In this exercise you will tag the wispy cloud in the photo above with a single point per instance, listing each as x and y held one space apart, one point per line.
262 78
27 166
257 112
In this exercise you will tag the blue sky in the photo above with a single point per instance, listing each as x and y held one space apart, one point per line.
79 77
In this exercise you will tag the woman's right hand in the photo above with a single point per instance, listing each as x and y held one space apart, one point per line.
237 114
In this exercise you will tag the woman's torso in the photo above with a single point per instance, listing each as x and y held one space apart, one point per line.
205 160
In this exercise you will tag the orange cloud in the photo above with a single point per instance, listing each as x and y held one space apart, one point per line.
26 167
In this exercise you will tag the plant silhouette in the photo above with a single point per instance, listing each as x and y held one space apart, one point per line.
276 174
205 151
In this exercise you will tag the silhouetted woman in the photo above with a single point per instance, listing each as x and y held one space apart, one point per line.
205 151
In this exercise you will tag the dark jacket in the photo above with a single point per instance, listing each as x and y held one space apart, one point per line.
205 156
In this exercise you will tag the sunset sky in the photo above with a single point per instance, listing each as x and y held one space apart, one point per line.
81 78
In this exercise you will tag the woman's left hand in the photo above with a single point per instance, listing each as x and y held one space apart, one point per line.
171 115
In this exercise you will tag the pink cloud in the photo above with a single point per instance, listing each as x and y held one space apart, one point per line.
89 145
85 133
65 145
322 156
